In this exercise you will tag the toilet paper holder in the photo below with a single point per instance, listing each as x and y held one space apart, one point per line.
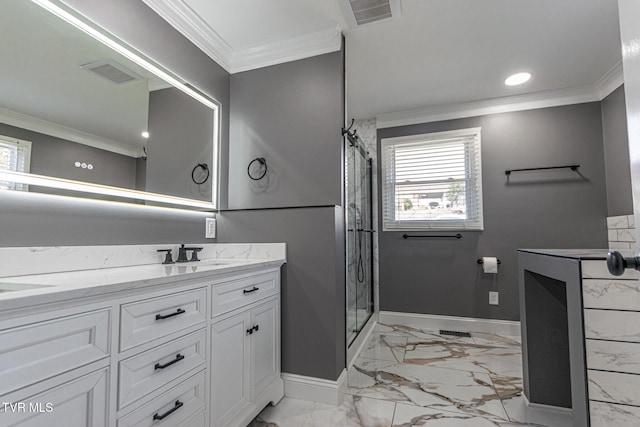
482 262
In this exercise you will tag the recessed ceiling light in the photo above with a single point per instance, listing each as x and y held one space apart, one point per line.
145 134
517 79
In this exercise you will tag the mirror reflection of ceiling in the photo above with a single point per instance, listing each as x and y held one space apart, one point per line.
41 76
439 52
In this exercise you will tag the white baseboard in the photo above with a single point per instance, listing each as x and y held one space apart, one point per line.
467 324
315 389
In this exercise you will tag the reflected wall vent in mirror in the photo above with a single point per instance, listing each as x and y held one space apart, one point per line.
112 71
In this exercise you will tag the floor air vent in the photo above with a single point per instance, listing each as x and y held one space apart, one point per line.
455 333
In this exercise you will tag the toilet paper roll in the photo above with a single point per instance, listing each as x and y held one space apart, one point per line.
490 264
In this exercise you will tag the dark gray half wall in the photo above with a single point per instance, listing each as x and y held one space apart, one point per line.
49 220
616 154
313 287
544 209
291 114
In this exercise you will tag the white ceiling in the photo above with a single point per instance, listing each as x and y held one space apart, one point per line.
440 52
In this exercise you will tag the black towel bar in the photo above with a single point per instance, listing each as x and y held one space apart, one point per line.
572 167
433 236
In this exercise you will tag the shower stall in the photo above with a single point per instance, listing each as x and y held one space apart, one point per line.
359 245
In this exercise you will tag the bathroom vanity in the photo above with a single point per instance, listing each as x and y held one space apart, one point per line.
580 335
193 344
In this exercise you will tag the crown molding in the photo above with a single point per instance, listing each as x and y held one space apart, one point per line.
505 104
291 49
52 129
181 17
610 81
184 19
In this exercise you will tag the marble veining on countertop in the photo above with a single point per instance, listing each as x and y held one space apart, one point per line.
42 288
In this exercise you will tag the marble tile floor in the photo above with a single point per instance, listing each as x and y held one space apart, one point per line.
408 377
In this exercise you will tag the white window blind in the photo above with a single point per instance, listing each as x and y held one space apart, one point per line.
15 156
432 181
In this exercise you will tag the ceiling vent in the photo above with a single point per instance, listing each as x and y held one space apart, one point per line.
110 70
361 12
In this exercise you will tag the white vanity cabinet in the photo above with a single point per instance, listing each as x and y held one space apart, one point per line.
245 349
199 352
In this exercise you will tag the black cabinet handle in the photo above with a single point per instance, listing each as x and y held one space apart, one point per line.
616 263
178 358
255 328
250 331
166 316
177 406
244 291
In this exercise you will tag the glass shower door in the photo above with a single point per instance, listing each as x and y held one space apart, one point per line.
359 239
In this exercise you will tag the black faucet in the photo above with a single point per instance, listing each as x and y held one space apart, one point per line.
182 254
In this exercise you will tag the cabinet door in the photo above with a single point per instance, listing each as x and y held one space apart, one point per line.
77 403
265 346
230 382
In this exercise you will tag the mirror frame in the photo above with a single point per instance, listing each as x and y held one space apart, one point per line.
110 40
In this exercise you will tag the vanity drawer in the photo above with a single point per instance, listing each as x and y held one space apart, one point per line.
34 352
148 371
175 406
228 296
144 321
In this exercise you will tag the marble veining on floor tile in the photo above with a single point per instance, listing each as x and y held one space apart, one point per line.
407 377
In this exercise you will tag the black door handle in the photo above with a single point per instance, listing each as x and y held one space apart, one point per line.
178 358
177 406
166 316
244 291
617 264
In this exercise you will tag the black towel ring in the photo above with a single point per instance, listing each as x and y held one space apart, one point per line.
204 167
262 162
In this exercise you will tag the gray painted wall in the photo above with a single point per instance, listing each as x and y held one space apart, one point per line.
533 210
313 293
181 136
291 114
51 156
50 220
616 154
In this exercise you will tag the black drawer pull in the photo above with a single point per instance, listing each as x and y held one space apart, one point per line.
177 406
244 291
166 316
178 358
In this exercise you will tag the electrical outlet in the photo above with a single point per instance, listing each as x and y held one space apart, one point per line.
493 298
210 228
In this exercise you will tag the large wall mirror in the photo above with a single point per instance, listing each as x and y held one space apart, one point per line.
83 114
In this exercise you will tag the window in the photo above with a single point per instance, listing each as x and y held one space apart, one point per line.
15 156
432 181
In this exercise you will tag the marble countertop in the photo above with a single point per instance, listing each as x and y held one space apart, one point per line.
61 286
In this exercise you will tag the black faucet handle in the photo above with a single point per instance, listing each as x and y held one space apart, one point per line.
194 253
168 259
